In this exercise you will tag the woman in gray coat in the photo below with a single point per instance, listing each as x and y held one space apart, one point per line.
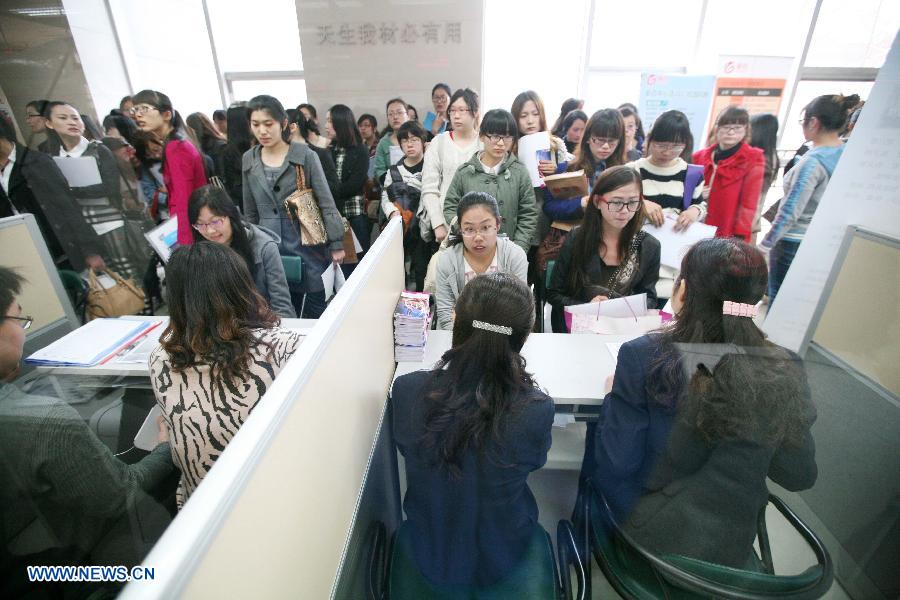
215 218
481 251
269 177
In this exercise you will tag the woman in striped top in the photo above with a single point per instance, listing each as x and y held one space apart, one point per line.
220 352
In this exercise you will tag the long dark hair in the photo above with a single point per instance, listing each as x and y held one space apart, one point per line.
606 123
213 308
832 111
672 127
220 204
762 388
239 134
346 131
765 137
205 131
479 382
568 106
589 236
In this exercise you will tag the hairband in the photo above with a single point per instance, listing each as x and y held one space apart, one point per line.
738 309
491 327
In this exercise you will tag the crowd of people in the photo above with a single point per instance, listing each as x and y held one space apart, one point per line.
481 236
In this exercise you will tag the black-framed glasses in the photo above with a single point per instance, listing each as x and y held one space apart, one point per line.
495 139
141 109
601 142
619 205
26 321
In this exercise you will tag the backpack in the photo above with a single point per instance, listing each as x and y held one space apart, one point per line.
405 198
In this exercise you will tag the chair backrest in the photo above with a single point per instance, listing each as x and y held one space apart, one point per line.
293 268
548 273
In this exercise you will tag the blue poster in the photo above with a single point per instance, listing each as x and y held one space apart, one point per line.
691 94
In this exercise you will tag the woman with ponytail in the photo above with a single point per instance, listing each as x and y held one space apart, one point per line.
471 430
700 414
823 121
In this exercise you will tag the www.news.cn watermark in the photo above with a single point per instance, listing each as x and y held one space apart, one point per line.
92 573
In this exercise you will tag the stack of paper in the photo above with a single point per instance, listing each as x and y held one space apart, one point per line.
92 344
411 319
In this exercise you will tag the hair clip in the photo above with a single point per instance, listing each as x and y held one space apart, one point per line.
491 327
738 309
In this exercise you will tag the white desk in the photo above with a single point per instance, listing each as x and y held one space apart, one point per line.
572 369
114 369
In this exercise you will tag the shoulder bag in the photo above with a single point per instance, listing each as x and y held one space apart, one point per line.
305 214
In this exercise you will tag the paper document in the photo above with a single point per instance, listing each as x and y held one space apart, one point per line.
333 279
356 245
92 343
528 147
163 238
147 435
628 306
676 243
563 420
139 354
79 172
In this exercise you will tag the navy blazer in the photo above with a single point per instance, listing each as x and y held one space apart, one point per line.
675 492
470 530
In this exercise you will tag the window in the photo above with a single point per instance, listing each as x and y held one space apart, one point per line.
792 137
853 34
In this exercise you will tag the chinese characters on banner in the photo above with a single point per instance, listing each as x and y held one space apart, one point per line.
691 94
755 82
389 34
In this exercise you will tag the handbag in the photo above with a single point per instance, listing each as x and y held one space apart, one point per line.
553 243
123 298
304 213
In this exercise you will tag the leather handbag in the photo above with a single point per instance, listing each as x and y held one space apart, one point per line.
123 298
305 214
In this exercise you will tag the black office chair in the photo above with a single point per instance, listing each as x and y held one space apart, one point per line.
635 572
392 572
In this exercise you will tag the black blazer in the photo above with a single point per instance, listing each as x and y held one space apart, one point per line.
232 173
37 186
353 175
327 161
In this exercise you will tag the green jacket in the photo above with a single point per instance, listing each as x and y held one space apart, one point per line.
511 186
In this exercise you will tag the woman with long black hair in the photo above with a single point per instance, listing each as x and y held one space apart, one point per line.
351 161
239 141
471 430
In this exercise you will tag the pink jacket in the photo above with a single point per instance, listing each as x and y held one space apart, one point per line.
183 173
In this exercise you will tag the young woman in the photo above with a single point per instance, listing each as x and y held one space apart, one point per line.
182 165
269 177
568 106
368 129
397 116
733 173
101 204
302 131
239 141
764 136
351 163
309 111
412 112
221 337
475 251
436 121
498 172
444 155
471 431
634 131
823 120
215 218
211 141
572 129
700 414
608 256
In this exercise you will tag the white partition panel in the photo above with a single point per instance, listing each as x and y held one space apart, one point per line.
274 515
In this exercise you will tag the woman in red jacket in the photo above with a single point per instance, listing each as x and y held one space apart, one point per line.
182 169
733 175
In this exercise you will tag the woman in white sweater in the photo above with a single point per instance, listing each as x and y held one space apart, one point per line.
481 251
445 154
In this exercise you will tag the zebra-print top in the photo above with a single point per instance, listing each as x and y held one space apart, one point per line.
203 415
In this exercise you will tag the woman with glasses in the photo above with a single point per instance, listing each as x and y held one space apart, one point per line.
733 172
481 251
444 155
215 218
397 116
182 166
436 122
634 131
608 256
498 172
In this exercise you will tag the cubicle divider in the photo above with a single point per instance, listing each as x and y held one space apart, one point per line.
275 515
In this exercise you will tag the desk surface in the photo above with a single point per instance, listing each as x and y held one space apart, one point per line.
572 369
114 369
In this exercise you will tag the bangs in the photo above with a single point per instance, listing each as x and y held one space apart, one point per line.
607 126
733 115
498 122
671 130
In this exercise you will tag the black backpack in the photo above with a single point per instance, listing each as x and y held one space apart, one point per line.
407 197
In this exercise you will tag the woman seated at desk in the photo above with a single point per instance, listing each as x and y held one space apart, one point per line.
700 414
215 218
218 355
608 256
471 431
481 251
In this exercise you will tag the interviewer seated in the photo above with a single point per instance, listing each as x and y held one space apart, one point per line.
475 249
219 354
702 413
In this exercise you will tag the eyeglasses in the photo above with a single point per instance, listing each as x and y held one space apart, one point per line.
600 142
483 231
442 98
732 128
31 116
458 111
215 224
141 109
666 147
26 321
397 113
496 139
619 205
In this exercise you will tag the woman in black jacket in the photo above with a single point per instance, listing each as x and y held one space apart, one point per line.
303 129
351 161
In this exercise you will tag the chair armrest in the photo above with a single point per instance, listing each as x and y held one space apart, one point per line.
569 557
